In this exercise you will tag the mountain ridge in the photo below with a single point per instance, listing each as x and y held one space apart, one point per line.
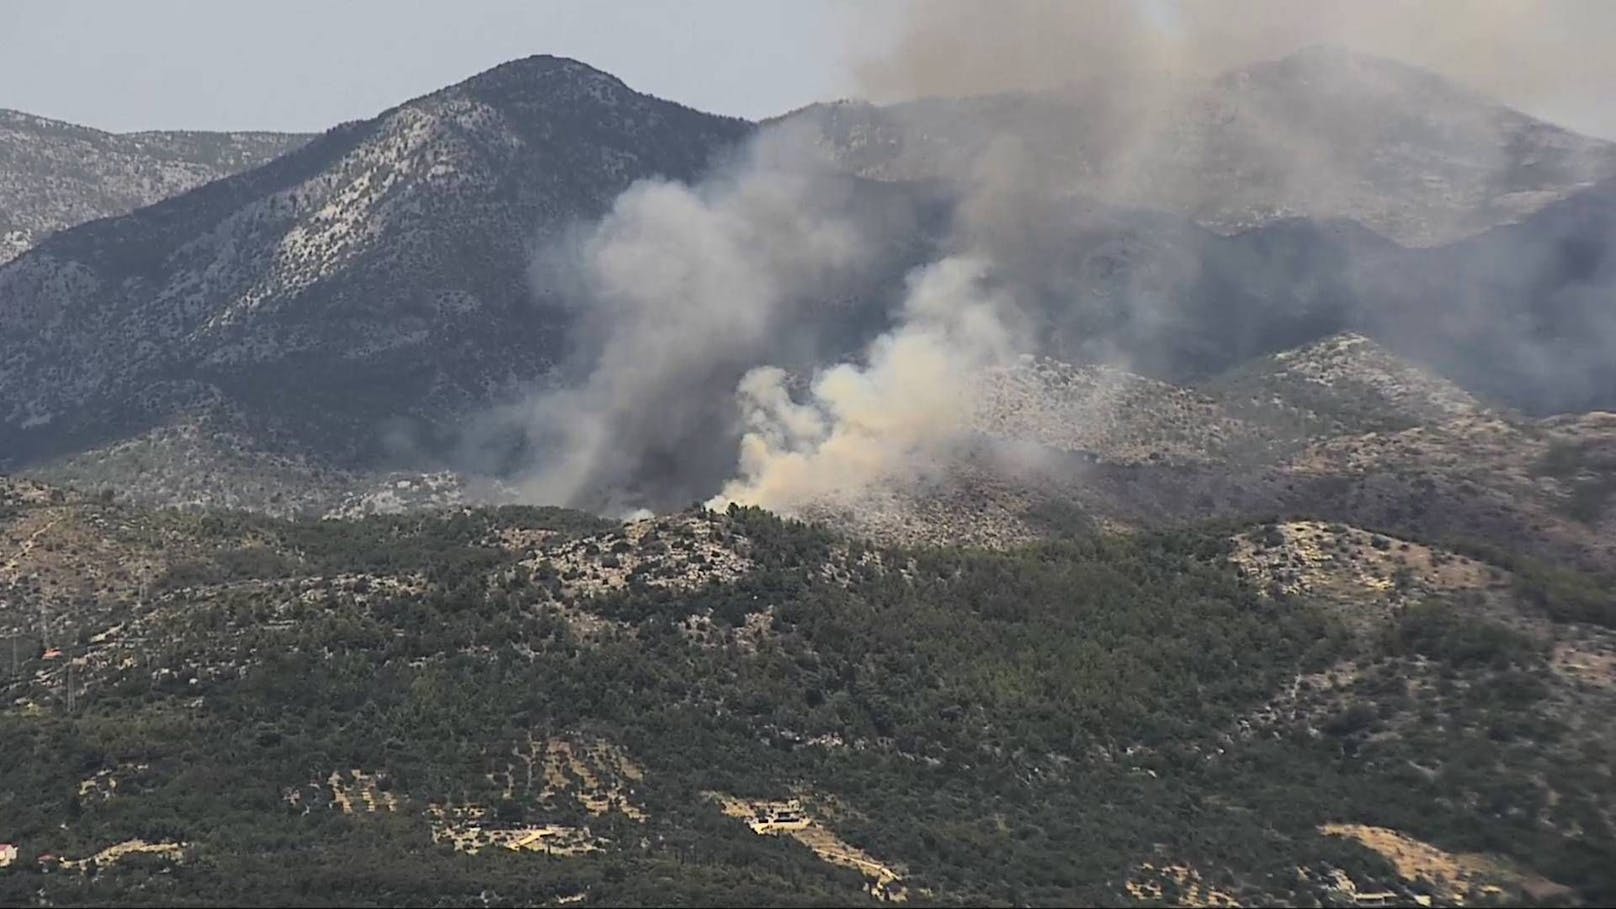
55 174
231 270
346 305
1239 152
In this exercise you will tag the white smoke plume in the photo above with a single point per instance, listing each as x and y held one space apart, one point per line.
675 287
703 368
883 421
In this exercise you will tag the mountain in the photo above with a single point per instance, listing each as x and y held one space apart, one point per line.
1520 313
537 706
55 175
1262 579
284 338
1341 430
1325 133
1278 168
376 273
1344 383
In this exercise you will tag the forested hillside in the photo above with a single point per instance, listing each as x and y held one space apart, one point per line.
531 705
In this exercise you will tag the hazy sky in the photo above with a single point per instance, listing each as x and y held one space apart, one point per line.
302 65
309 64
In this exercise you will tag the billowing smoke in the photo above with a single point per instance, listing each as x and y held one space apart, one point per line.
887 420
677 291
1238 115
736 343
702 308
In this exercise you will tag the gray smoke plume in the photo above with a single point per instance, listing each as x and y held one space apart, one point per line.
677 291
733 342
887 419
700 307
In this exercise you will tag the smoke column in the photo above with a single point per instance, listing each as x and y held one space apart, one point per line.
678 290
698 372
882 421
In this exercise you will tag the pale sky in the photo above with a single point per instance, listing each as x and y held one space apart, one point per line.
305 65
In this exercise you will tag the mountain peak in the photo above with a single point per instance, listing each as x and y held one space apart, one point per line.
1350 381
543 81
534 88
375 240
541 66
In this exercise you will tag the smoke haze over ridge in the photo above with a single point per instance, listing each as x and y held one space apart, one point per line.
674 288
1549 57
682 287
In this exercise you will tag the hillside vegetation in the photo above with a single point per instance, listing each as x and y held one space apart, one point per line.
531 705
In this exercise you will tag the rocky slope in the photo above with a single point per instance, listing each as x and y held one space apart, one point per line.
54 175
1341 429
375 274
1344 383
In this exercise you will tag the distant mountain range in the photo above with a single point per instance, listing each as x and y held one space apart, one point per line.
55 175
347 305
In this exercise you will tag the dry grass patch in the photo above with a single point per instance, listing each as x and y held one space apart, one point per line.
469 829
1590 662
595 773
349 791
120 851
103 784
792 818
66 553
598 774
1178 885
1458 878
1343 563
